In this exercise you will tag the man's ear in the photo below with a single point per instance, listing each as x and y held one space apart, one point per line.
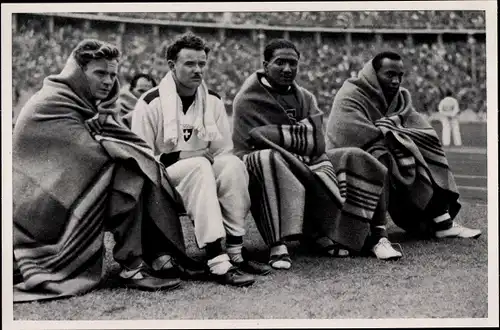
265 64
171 65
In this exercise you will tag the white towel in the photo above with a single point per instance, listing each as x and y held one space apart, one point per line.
204 125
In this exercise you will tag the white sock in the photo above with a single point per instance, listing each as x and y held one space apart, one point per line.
278 250
234 252
442 217
220 264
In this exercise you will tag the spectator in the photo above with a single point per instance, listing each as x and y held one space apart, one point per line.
36 55
129 95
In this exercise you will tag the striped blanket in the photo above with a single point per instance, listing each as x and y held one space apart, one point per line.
402 138
296 187
71 184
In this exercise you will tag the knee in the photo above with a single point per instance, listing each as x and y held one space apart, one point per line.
358 153
234 166
233 161
351 154
275 155
202 166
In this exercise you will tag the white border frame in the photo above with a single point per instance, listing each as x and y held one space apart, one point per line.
492 118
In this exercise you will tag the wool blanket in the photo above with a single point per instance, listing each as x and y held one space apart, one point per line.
204 125
291 175
71 182
361 117
126 103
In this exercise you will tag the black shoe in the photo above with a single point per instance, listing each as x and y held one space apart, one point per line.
147 279
253 267
235 277
193 274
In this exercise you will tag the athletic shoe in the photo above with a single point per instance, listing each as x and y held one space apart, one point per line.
142 278
459 231
383 250
235 277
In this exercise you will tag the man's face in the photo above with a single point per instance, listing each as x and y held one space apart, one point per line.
282 68
101 75
189 67
390 76
141 87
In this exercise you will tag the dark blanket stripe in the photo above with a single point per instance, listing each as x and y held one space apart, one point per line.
427 139
272 162
255 168
360 177
362 193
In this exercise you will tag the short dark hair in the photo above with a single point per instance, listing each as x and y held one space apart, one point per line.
138 76
377 60
92 49
187 40
275 44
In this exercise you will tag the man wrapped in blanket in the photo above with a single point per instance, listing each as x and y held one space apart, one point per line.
187 126
335 200
373 112
78 171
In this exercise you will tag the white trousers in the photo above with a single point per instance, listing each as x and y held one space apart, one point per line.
215 196
451 126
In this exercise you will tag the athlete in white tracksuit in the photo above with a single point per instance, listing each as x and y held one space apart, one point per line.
449 109
187 126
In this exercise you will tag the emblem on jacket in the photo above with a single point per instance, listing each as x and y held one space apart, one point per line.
187 131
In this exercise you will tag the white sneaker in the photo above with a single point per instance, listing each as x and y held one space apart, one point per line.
458 230
383 250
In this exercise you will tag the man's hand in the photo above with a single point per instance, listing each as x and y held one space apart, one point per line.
95 123
197 153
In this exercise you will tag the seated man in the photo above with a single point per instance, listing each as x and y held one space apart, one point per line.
77 172
334 199
187 126
140 84
373 112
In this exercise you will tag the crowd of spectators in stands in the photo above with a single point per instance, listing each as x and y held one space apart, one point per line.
355 19
431 68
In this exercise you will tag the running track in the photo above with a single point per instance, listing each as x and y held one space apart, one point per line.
469 166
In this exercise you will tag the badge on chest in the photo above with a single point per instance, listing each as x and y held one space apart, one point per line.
187 131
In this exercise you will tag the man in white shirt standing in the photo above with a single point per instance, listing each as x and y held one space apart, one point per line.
449 109
187 126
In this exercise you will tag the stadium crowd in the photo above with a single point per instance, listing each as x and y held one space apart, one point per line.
359 19
431 68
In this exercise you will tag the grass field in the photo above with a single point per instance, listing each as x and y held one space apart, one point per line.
435 279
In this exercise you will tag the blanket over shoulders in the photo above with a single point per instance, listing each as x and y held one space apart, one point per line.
361 117
70 183
261 123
